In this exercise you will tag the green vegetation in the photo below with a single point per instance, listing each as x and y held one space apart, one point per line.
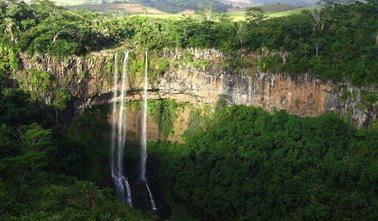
47 28
240 163
119 9
69 2
157 65
337 43
288 12
164 113
248 164
172 6
47 172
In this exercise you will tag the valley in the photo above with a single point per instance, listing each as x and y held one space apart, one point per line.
131 111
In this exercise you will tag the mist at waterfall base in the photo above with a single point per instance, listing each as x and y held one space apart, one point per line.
135 183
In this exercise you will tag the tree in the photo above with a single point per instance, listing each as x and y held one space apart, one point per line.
207 12
31 147
318 24
254 15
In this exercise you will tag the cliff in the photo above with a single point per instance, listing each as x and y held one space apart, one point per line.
200 76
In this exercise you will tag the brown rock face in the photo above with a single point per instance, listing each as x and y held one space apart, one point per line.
186 81
301 96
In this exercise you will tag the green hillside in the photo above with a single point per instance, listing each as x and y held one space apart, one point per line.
291 2
119 8
172 6
69 2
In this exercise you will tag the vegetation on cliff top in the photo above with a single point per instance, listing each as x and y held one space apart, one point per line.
338 43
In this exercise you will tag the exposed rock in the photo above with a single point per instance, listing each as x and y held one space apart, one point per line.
87 80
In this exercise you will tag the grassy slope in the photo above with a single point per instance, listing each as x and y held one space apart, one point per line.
124 7
287 13
69 2
271 12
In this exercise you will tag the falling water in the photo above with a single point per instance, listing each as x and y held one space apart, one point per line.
143 156
151 198
119 134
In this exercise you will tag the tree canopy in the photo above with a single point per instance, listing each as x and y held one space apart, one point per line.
337 43
248 164
48 173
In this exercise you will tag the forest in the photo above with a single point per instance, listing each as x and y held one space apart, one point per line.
243 163
236 163
50 173
336 43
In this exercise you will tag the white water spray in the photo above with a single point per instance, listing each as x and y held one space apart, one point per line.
119 134
143 155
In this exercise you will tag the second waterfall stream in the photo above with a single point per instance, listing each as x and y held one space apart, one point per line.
118 137
143 155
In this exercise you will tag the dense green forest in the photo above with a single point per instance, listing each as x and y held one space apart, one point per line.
49 173
244 163
337 42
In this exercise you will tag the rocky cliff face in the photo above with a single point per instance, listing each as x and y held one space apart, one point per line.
82 77
204 78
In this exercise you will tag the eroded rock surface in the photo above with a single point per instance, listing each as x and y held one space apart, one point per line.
87 79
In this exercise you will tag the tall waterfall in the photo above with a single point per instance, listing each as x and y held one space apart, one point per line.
118 137
143 155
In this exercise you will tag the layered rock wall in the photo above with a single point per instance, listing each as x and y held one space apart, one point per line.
88 78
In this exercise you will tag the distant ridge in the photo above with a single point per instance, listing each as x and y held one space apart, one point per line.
290 2
171 6
125 8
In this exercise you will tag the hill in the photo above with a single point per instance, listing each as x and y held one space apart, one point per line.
125 8
271 11
175 6
69 2
171 6
290 2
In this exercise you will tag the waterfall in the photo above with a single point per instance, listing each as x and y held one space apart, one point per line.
151 198
143 155
118 137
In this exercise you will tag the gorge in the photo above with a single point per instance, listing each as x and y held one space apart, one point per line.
195 79
199 117
188 81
